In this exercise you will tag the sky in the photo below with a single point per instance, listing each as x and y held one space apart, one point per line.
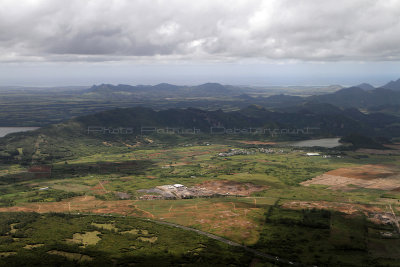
241 42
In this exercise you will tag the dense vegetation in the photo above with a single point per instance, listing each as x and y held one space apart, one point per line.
49 106
30 239
94 179
62 141
325 238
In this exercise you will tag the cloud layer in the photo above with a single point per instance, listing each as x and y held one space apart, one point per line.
216 30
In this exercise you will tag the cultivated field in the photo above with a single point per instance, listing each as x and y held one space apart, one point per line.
268 196
382 177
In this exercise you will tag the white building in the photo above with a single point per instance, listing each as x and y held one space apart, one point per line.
312 154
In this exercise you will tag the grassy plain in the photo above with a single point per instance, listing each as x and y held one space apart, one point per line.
152 245
88 179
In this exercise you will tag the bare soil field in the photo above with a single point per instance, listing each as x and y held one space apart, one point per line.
347 208
225 187
378 215
99 188
383 177
227 219
82 204
205 189
394 149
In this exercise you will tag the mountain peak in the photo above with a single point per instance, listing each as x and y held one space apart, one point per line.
350 90
393 85
165 86
211 86
365 86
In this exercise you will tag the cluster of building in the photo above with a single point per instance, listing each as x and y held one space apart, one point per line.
174 191
234 152
313 154
266 150
271 151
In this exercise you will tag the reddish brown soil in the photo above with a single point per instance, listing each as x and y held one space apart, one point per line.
365 172
225 219
99 188
231 187
383 177
232 220
82 204
347 208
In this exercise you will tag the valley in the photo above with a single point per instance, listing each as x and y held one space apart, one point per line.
199 134
250 197
272 181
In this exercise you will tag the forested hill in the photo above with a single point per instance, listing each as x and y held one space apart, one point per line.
79 135
52 106
329 119
359 98
393 85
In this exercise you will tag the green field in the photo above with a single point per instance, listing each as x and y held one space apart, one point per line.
45 240
88 173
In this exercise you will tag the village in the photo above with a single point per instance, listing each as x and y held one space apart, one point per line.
235 152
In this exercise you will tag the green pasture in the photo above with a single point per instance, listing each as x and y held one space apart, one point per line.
151 245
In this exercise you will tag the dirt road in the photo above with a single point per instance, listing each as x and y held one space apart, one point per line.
221 239
395 218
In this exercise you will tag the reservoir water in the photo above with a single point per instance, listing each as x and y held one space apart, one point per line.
325 142
6 130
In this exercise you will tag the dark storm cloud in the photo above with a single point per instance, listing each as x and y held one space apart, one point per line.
307 30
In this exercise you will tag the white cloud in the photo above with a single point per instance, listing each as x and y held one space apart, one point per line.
101 30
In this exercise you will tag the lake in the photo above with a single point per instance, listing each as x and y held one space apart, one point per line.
324 142
6 130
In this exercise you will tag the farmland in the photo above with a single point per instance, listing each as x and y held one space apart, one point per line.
214 133
256 196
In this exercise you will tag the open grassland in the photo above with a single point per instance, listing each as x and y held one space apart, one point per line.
106 178
71 240
145 167
238 219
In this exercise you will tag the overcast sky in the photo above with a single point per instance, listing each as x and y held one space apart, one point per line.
282 42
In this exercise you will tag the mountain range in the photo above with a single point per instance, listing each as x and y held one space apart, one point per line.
329 119
363 96
393 85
